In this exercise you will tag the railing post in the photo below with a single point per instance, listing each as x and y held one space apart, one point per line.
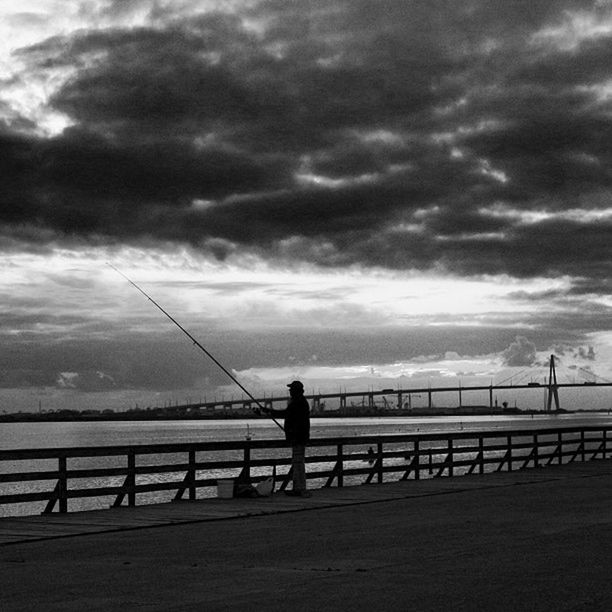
509 452
605 445
62 490
192 475
481 454
582 445
380 462
246 470
131 478
560 443
536 461
340 464
450 457
417 460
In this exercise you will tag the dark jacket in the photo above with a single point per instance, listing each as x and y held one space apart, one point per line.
297 420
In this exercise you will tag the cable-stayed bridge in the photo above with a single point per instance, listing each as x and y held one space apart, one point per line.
548 379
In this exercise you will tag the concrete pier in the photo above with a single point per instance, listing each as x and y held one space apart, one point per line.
538 539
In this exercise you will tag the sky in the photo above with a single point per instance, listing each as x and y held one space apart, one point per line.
357 194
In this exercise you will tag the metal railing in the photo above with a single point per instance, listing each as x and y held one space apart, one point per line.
117 475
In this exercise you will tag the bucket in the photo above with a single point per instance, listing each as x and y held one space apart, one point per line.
225 488
266 487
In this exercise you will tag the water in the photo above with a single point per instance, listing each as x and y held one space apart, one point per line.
102 433
110 433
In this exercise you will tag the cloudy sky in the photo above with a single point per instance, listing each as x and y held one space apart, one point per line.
348 191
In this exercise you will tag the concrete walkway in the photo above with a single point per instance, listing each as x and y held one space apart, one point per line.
531 540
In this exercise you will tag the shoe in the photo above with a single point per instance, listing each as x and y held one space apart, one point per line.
298 493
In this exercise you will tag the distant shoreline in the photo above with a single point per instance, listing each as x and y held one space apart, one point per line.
69 416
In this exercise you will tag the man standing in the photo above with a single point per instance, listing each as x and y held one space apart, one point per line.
297 434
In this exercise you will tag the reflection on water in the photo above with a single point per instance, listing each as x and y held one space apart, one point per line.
110 433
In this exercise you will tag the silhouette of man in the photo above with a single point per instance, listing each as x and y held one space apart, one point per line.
297 434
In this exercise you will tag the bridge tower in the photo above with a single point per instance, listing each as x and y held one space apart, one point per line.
553 388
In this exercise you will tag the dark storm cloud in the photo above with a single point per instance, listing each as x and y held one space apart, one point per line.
585 286
340 132
82 183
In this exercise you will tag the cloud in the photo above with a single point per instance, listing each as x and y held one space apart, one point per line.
401 135
163 360
522 352
85 381
586 353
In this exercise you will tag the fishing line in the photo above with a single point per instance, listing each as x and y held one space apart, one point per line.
206 352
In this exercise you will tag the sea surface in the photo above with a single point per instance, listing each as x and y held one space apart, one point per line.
110 433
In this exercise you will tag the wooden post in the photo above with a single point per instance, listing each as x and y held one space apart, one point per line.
536 462
340 464
450 457
380 462
416 460
246 470
560 442
131 478
509 452
481 447
582 441
62 481
192 475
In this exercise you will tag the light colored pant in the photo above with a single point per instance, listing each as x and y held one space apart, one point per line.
298 464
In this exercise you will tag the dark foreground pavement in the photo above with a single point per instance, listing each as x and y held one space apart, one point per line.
534 540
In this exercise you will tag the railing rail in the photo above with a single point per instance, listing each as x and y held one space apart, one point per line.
57 476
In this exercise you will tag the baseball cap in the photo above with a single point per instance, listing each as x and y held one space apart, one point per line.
296 384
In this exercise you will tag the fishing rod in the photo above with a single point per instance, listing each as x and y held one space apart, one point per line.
207 353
